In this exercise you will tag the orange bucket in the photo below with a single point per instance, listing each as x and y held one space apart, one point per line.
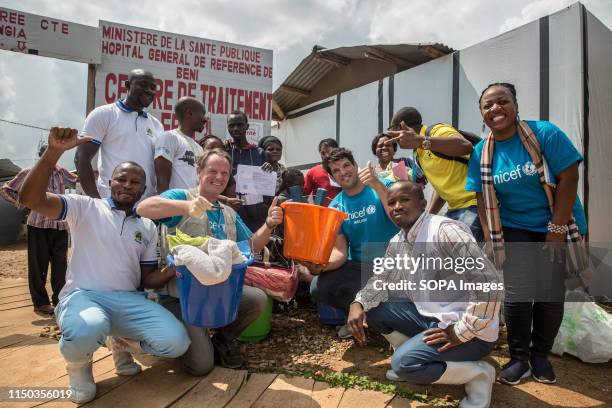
310 231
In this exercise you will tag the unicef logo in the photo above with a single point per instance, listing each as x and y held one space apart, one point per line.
371 209
529 169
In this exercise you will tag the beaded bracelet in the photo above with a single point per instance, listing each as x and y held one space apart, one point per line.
557 229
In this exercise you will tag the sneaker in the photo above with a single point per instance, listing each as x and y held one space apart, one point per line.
391 376
44 310
226 353
344 332
513 372
542 370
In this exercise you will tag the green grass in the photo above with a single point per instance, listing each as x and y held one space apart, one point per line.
345 380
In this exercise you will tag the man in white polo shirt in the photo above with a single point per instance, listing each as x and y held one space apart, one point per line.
176 151
121 131
113 256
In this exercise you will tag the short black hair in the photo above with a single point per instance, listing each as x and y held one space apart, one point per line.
239 113
133 164
290 177
375 143
330 142
409 115
506 85
335 155
266 140
186 103
414 188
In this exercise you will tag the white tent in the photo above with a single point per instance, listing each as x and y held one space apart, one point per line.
560 64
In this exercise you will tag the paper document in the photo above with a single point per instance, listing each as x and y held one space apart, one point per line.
253 180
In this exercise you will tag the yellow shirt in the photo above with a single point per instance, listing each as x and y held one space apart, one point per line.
447 177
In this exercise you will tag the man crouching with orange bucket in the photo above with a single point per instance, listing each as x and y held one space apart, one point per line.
362 236
197 212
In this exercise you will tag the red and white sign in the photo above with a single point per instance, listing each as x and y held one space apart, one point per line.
49 37
224 76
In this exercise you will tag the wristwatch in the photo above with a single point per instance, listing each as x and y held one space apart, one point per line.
426 145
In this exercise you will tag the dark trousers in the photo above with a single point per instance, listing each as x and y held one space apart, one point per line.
534 292
337 288
46 245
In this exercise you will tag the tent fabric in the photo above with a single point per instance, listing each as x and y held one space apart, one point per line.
600 123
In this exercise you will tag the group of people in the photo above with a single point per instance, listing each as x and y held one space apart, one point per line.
500 190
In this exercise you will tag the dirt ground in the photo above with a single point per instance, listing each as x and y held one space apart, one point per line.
299 343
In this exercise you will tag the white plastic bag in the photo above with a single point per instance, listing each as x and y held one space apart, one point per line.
586 330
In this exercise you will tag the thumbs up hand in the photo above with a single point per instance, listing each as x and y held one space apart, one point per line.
367 175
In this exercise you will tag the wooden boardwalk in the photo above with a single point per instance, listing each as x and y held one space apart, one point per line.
29 360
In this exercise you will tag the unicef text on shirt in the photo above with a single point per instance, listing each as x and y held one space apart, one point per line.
369 210
528 169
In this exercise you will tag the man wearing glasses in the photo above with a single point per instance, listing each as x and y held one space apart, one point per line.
121 131
176 151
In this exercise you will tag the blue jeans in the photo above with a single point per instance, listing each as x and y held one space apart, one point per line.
414 360
468 216
87 317
337 288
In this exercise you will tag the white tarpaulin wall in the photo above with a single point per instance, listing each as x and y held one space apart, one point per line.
600 122
359 121
304 129
543 59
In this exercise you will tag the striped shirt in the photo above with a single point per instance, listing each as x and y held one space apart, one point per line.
473 317
60 179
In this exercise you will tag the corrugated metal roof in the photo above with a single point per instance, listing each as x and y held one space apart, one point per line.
321 61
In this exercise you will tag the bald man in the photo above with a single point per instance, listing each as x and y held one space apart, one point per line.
176 151
120 131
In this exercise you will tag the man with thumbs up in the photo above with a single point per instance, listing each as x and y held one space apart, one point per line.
198 212
362 237
113 256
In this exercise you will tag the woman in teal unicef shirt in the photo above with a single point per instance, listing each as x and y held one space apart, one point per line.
514 208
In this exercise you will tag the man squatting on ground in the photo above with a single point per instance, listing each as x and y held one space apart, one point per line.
439 337
360 236
102 299
191 212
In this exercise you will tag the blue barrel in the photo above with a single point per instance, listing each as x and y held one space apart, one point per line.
215 305
331 316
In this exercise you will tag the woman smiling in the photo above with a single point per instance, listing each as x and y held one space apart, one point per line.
525 174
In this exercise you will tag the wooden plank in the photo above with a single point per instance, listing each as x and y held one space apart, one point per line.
215 390
22 317
15 298
17 305
399 402
325 396
14 290
13 283
249 392
159 386
364 398
39 363
18 342
295 392
105 377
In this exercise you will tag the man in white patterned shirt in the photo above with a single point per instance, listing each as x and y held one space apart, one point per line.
442 314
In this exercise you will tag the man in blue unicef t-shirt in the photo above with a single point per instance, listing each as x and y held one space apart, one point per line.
362 237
